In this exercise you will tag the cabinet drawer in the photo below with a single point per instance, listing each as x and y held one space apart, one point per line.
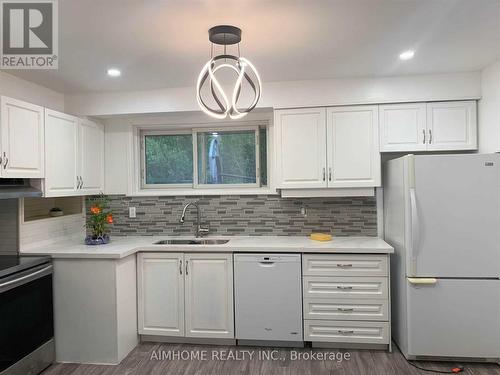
345 287
344 265
346 309
346 331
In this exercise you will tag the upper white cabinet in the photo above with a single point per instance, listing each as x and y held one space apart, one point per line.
452 126
333 147
352 146
436 126
21 139
74 156
403 127
91 156
61 134
187 295
301 148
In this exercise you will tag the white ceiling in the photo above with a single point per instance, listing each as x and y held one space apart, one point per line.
160 44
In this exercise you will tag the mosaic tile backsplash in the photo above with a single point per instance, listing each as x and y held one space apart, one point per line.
256 215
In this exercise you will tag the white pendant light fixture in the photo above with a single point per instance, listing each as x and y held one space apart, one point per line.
227 103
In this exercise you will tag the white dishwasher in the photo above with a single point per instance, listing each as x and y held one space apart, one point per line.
268 297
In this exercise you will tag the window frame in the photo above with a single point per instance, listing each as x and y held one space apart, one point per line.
155 126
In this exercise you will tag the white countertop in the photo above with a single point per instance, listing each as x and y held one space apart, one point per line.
121 247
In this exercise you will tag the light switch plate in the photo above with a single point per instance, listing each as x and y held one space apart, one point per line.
131 212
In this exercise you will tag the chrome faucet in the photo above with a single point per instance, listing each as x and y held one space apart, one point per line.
200 230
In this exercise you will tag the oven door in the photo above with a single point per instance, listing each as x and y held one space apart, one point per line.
26 321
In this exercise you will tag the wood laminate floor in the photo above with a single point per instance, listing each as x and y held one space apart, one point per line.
143 361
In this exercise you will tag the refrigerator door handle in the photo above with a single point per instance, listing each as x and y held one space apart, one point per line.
415 227
422 280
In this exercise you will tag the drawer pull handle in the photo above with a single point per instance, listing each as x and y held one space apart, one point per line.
342 309
344 332
344 265
343 287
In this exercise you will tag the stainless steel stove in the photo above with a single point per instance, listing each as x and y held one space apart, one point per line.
26 311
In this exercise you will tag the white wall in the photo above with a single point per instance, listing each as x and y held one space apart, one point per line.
489 109
30 92
290 94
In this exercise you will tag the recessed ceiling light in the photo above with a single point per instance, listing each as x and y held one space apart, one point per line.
113 72
407 55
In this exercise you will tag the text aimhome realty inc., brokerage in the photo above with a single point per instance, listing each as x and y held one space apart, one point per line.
29 34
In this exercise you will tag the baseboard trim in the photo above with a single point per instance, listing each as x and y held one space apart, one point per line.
273 343
187 340
345 345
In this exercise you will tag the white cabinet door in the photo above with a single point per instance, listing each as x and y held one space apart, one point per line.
403 127
301 148
22 139
61 158
160 284
91 157
209 295
452 126
353 147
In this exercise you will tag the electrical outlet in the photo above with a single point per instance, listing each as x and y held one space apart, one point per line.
131 212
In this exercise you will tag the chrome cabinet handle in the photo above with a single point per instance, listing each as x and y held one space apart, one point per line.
324 174
342 309
344 332
6 160
187 269
77 182
343 287
329 174
81 182
425 136
347 265
430 136
180 266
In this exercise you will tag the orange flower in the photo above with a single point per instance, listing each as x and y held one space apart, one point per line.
95 210
109 219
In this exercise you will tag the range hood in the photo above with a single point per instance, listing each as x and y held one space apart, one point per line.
17 188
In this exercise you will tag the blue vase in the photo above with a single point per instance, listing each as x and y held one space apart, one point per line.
100 240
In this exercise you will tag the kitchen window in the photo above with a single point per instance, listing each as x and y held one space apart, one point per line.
204 158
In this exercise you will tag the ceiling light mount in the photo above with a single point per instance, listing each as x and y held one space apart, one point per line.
225 35
224 105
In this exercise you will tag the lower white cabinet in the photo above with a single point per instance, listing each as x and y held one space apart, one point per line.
187 295
346 298
209 295
356 332
161 294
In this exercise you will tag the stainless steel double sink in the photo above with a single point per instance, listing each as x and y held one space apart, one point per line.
193 241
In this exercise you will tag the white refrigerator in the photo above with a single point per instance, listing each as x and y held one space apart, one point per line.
442 216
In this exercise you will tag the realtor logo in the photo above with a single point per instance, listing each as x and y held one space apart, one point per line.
29 34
